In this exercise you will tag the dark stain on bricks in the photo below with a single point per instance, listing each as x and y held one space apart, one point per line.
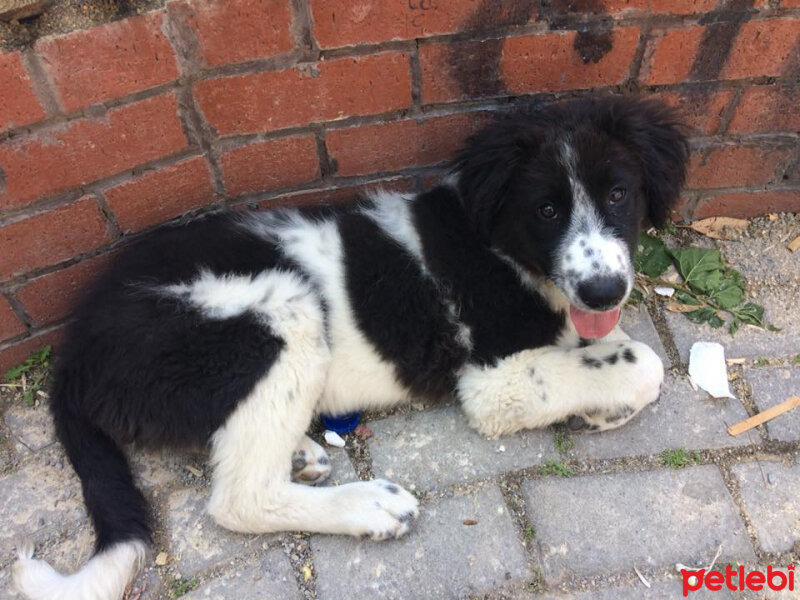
722 27
476 65
591 46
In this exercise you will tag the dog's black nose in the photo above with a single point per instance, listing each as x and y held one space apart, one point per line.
602 293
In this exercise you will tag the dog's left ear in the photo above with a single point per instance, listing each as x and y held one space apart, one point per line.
653 132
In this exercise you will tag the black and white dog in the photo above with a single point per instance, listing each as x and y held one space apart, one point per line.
236 329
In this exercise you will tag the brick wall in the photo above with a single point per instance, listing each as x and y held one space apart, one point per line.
111 130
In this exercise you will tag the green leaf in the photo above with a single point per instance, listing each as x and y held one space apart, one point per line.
701 316
652 257
734 326
728 294
751 313
685 298
699 266
716 322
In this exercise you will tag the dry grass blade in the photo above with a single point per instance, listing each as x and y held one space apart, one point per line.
681 308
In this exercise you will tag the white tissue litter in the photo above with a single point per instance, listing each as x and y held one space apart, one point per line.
708 370
664 291
334 439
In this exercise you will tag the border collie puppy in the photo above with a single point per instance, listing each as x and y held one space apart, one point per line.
502 286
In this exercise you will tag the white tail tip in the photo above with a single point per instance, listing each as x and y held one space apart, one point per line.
104 577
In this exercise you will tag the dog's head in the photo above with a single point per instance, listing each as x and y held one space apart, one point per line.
562 191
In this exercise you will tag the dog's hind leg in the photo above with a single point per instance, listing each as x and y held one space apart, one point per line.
252 452
604 385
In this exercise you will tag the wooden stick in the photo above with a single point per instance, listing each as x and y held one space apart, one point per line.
764 416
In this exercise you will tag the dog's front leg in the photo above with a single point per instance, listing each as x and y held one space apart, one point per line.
604 384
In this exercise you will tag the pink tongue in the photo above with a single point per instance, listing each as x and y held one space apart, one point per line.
592 325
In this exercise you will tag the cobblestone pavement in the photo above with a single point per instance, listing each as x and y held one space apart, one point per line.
541 514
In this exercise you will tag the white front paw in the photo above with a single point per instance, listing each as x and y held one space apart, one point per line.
379 509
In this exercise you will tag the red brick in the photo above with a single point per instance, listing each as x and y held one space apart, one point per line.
669 57
51 237
229 31
332 197
398 145
550 63
325 91
760 48
700 110
20 105
50 298
109 61
749 204
270 165
85 150
529 64
16 354
10 325
338 23
767 109
790 3
765 48
159 195
736 166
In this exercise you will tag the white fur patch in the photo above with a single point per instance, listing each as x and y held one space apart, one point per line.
104 577
251 454
589 249
535 388
358 377
391 213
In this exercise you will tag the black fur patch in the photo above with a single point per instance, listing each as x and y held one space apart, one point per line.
629 356
141 366
611 359
398 308
501 324
590 362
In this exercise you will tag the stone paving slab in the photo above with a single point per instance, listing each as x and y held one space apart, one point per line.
749 342
771 386
601 524
664 590
155 470
31 426
196 541
269 578
636 322
765 259
440 558
437 447
771 495
682 418
39 502
342 470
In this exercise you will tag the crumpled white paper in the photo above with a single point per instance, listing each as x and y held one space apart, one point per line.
333 438
708 370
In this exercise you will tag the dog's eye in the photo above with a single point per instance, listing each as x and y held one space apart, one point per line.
616 195
548 211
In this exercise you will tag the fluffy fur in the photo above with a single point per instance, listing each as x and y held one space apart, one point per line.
236 329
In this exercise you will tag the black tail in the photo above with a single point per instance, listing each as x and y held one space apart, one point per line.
118 509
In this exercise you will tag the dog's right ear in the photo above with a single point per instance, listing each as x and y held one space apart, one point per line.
485 168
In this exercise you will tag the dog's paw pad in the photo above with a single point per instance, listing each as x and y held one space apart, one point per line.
310 463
